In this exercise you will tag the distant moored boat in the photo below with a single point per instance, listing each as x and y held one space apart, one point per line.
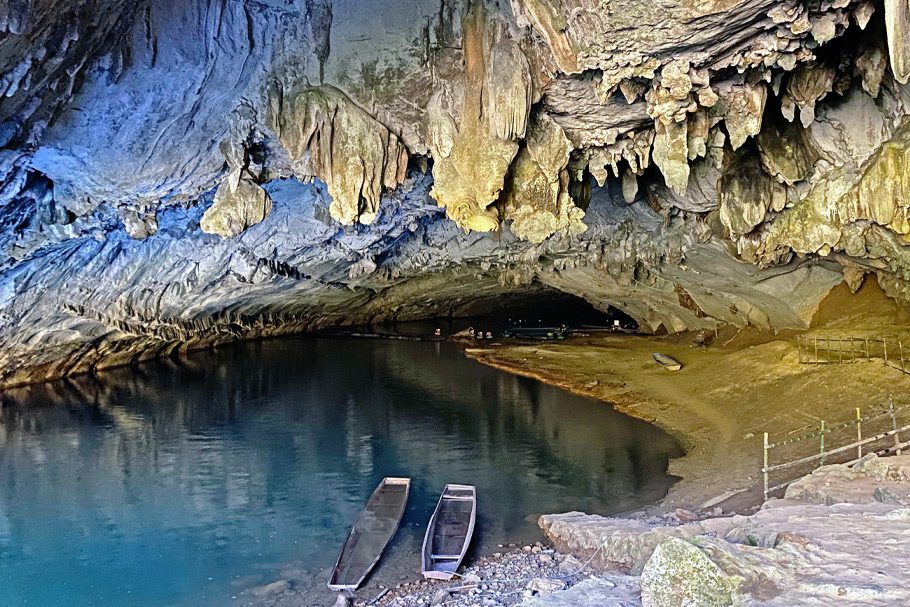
544 333
449 532
668 362
371 534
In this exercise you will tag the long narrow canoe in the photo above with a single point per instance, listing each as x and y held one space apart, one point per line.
668 362
371 534
449 532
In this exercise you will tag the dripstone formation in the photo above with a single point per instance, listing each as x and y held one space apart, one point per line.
177 173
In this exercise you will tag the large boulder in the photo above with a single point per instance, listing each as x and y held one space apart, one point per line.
678 574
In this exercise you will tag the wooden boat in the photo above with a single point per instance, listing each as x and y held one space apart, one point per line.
541 333
667 362
449 532
371 534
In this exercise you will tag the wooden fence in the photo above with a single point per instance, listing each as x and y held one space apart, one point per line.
839 350
878 432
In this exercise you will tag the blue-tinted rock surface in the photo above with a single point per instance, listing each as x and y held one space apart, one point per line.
750 154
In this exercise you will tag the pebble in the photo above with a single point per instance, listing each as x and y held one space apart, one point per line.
570 565
545 586
492 581
685 516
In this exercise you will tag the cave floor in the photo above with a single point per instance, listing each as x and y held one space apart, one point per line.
727 393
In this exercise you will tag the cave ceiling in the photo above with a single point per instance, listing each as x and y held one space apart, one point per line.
175 173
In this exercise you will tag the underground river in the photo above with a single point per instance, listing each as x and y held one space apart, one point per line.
188 482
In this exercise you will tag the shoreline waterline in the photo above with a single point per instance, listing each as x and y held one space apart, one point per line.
247 465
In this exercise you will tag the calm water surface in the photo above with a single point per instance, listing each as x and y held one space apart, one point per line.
185 483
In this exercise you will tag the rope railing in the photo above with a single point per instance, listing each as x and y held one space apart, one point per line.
842 426
832 350
824 452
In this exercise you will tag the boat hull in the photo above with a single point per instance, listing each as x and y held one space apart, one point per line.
667 362
449 532
371 534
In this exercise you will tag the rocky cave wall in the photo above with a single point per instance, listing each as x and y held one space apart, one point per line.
178 173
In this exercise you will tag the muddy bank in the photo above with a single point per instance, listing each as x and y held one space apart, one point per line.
733 387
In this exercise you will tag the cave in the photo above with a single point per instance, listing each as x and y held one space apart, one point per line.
302 169
531 306
238 238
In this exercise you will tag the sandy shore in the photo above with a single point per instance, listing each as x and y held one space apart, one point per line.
741 384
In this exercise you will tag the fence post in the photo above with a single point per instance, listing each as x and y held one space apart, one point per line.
885 348
799 349
897 439
822 445
859 434
816 350
828 343
867 348
765 467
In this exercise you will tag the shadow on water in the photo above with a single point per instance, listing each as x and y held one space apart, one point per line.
182 482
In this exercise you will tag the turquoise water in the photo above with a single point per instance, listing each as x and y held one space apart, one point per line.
187 482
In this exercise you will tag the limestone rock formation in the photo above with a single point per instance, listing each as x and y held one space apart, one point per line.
897 20
538 200
733 144
333 139
239 204
469 179
679 574
829 541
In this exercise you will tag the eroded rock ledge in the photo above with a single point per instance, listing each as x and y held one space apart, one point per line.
828 541
747 156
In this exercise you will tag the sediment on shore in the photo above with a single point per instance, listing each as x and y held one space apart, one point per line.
734 386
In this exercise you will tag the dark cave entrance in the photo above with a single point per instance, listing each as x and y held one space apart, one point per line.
536 307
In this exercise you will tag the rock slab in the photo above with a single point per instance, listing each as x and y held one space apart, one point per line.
678 574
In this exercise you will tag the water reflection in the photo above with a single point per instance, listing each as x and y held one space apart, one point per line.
172 483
